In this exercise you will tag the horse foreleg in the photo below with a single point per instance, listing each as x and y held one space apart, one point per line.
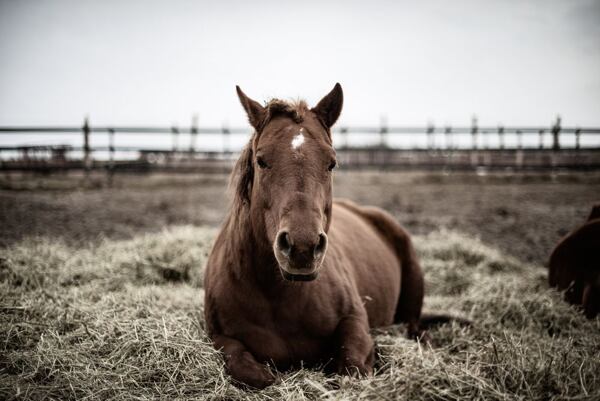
591 299
356 352
241 364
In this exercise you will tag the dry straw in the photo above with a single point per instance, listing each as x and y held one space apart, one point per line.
122 320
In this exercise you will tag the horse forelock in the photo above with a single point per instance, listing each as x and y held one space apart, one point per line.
296 110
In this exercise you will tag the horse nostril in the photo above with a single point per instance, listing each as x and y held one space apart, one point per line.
283 243
321 246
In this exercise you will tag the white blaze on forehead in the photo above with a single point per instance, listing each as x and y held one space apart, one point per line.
298 139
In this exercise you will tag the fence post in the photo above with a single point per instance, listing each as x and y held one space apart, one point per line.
193 133
555 134
175 133
25 155
111 155
448 137
381 154
501 136
430 138
519 153
474 132
344 132
474 142
111 146
577 138
383 130
86 146
225 131
541 138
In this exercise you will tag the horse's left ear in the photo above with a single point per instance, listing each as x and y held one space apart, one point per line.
330 107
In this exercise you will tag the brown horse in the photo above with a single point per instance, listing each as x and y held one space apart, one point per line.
575 265
294 276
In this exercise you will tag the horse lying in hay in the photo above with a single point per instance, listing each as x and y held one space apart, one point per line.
575 265
295 277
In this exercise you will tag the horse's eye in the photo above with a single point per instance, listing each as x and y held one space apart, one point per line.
332 165
261 163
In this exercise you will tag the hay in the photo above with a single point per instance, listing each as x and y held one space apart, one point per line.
122 320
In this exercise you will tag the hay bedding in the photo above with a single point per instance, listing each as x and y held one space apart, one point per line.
121 320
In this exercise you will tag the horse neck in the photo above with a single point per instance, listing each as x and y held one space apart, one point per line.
248 250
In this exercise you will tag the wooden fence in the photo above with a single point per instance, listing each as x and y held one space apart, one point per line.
441 148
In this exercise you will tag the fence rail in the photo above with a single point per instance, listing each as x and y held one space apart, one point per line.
473 148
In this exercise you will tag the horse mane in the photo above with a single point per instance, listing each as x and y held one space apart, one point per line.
236 227
241 177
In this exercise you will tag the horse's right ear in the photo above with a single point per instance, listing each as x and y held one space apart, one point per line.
256 113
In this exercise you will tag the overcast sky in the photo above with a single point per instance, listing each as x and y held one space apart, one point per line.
158 62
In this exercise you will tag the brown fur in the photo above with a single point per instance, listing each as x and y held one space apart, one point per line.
575 265
359 264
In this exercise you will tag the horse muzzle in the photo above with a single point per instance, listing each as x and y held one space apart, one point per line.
299 260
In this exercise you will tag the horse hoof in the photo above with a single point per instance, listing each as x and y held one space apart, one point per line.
255 380
424 338
249 373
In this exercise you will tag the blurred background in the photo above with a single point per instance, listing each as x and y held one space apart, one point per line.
118 117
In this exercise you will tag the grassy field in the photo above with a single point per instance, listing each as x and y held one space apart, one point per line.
121 319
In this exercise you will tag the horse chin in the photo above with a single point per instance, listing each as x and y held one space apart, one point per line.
299 277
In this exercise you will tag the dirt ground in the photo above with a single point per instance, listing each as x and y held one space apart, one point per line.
524 215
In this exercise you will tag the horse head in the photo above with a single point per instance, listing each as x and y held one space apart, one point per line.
284 178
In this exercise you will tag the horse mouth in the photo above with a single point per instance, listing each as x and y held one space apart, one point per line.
299 277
